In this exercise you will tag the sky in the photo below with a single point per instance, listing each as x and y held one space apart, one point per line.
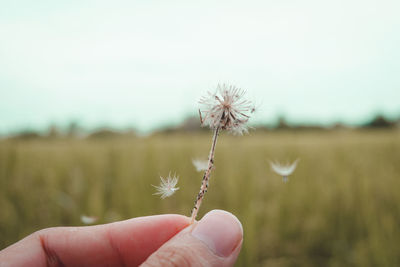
145 64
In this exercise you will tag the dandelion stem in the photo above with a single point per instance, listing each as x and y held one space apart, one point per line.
206 176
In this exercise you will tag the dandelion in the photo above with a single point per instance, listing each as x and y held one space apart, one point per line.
284 170
200 165
167 186
88 219
226 109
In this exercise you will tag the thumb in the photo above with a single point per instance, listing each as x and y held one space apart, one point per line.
214 241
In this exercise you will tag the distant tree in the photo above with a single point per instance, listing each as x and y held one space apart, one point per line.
338 126
73 129
379 121
104 133
190 124
53 132
282 123
27 134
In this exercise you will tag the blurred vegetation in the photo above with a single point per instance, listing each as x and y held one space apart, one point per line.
341 207
190 125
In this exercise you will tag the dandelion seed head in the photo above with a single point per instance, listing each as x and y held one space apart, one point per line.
226 109
284 170
167 186
200 165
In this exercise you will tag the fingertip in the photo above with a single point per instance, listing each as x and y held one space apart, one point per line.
215 240
221 231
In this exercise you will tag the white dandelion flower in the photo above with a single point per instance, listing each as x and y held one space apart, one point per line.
284 170
200 165
167 186
226 109
88 219
223 110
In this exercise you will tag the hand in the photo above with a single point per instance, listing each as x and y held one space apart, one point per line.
162 240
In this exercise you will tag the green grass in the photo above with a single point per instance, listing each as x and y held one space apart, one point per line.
341 207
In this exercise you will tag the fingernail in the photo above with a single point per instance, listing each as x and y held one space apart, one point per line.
220 230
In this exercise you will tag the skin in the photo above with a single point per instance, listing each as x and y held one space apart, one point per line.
126 243
162 240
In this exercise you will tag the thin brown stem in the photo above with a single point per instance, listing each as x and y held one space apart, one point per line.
206 176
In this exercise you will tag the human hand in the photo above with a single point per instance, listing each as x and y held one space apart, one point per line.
161 240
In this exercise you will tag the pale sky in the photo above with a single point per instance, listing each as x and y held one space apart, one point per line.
146 63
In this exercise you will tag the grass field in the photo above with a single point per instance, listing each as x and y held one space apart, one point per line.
341 207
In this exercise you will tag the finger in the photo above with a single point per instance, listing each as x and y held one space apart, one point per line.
126 243
214 241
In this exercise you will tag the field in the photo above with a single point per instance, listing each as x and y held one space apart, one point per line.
341 206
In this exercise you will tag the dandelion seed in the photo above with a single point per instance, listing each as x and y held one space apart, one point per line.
88 219
200 165
167 186
226 109
284 170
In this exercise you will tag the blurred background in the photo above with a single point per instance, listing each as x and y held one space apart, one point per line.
98 99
